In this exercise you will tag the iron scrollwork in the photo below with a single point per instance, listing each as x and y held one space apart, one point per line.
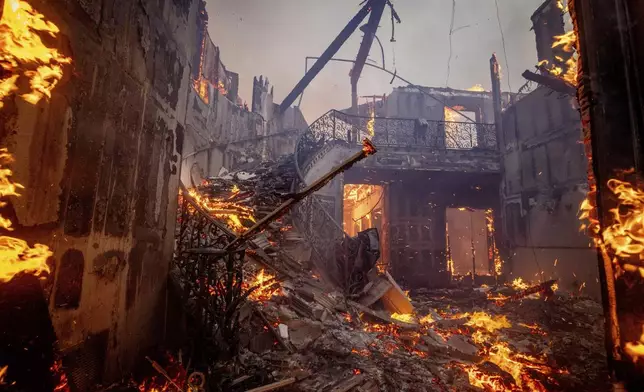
311 216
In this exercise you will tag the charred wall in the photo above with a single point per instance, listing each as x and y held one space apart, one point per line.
544 183
100 164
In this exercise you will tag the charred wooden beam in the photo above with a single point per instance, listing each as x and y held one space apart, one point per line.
610 94
552 82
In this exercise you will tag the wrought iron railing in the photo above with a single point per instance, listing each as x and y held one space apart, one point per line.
209 277
312 218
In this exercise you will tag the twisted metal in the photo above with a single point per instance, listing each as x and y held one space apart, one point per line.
312 217
210 279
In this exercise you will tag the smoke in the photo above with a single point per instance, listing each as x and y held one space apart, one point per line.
273 38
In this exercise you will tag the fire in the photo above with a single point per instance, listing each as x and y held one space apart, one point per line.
3 373
493 251
449 114
368 147
16 256
265 285
567 42
22 51
518 366
404 317
371 123
488 322
488 382
222 88
635 350
626 234
58 372
519 284
229 212
477 87
201 84
427 319
362 353
357 371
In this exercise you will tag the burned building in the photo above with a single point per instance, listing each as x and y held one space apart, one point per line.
545 177
433 188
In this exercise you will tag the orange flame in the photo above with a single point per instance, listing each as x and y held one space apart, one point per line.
16 256
492 249
488 322
635 349
3 373
477 87
368 147
404 317
21 48
626 234
58 372
372 122
229 212
567 42
519 284
266 288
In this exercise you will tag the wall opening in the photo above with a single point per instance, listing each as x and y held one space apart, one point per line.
460 131
364 208
467 242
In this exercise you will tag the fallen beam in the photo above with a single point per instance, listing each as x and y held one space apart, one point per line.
551 82
367 149
349 384
273 386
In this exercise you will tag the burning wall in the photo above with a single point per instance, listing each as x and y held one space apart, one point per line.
99 161
408 102
544 183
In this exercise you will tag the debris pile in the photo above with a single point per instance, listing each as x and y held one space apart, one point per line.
450 339
298 332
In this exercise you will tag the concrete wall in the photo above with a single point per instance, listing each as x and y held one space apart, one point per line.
544 183
408 102
220 133
100 164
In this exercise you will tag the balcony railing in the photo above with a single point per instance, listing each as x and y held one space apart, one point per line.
312 217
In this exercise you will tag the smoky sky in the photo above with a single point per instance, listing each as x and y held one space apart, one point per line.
273 37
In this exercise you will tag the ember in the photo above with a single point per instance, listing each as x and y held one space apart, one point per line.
263 285
368 147
371 123
60 378
232 213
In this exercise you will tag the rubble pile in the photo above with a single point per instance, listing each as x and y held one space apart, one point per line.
453 340
300 333
261 189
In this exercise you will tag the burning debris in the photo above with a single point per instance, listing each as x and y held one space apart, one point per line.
311 334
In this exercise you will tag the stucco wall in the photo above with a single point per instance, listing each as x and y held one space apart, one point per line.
544 183
222 134
100 163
